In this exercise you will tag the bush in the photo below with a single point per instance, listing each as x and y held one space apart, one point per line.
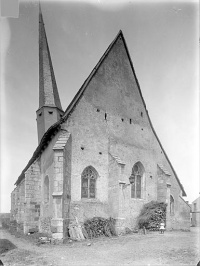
151 215
98 226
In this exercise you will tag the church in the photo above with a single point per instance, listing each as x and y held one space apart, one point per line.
101 157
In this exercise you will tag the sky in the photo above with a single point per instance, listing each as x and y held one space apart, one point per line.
163 41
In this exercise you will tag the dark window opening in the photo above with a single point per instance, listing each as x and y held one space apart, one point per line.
141 114
100 152
88 183
50 112
130 121
82 148
40 114
122 119
105 116
46 189
98 110
136 181
171 205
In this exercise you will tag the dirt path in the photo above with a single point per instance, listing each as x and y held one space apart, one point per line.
172 248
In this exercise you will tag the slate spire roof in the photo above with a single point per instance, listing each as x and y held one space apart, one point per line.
48 92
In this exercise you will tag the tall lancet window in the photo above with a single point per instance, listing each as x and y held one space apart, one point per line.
46 189
136 180
88 182
171 205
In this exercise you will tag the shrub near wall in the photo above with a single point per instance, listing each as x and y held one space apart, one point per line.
151 215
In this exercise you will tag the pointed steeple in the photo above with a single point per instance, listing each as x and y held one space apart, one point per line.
50 109
48 89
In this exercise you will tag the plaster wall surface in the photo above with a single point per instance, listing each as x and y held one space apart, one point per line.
47 170
196 212
111 118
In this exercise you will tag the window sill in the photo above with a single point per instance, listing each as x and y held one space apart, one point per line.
137 199
89 200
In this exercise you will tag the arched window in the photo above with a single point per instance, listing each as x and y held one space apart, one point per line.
88 182
136 180
46 189
171 205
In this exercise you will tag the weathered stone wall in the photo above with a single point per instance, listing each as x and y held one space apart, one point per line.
89 148
20 202
87 209
181 218
111 117
47 170
13 210
113 186
196 219
18 205
161 186
67 184
32 196
195 208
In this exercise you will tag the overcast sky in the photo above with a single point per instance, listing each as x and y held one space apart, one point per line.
162 39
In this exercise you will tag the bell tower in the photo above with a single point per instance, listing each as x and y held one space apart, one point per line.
50 109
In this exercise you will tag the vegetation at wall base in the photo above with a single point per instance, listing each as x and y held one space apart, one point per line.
151 215
99 226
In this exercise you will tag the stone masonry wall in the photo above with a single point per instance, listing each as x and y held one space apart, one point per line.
162 186
67 184
113 187
111 117
47 170
13 210
181 218
32 196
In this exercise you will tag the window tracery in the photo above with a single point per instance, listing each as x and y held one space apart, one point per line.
88 182
136 181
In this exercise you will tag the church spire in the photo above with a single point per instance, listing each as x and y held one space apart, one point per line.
50 109
48 92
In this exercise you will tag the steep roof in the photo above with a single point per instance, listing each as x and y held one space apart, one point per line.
48 92
74 102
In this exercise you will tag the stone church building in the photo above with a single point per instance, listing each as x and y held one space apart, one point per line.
101 157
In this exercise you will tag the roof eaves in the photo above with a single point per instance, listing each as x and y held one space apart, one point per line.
41 146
